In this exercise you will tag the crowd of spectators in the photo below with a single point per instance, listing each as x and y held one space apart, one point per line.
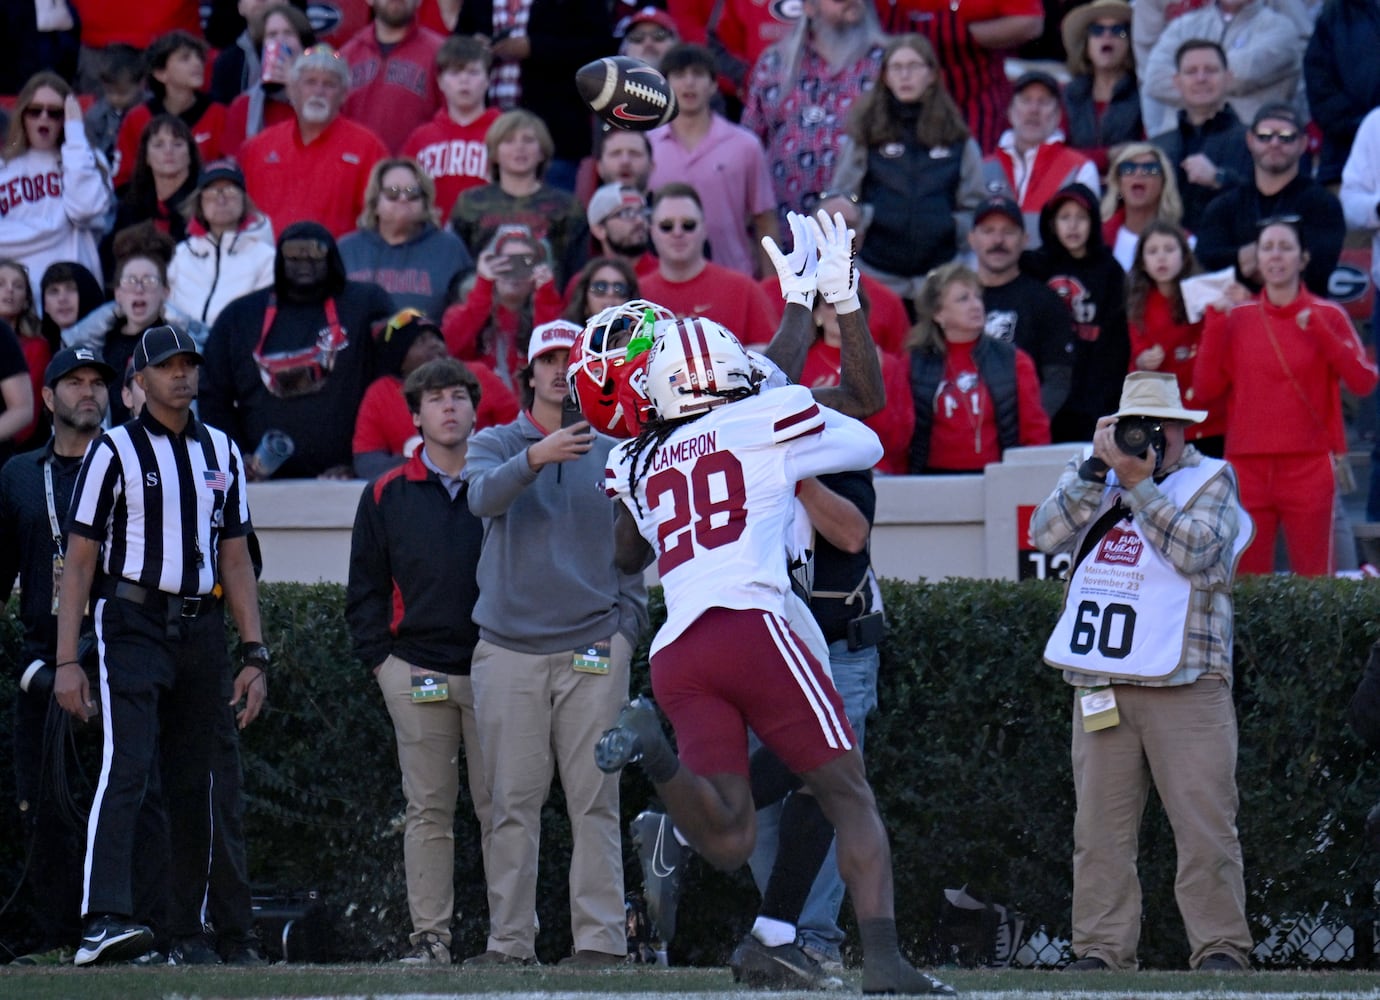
325 219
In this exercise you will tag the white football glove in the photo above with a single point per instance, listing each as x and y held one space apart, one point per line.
837 279
796 270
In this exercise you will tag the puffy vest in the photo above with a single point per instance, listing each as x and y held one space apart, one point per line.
912 190
996 365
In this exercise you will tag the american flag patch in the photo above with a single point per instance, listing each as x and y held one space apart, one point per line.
676 378
216 479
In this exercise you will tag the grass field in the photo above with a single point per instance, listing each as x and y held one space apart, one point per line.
341 982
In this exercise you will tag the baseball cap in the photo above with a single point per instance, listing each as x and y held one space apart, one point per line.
159 343
221 170
559 334
1033 77
1279 112
646 15
69 359
999 204
609 199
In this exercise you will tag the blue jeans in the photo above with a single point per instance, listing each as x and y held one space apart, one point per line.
855 676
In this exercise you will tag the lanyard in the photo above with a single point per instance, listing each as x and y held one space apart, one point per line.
52 507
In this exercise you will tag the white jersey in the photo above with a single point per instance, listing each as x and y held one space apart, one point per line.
717 498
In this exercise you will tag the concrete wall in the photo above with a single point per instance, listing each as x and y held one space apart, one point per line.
927 527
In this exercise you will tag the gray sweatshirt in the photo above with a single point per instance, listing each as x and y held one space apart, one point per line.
547 580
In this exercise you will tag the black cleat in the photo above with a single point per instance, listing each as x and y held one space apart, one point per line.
636 736
783 967
663 864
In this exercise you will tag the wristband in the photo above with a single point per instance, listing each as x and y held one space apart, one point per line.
845 306
67 663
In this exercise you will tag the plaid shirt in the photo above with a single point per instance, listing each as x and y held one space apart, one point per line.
1196 540
505 79
800 122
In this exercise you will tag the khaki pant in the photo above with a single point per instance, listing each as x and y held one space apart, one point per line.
430 735
536 714
1184 740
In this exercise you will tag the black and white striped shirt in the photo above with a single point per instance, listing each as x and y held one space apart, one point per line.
158 506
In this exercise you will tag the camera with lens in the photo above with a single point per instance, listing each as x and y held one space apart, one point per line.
1137 435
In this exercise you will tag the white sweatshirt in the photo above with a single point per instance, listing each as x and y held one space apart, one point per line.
55 206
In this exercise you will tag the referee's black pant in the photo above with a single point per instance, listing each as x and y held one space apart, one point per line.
162 682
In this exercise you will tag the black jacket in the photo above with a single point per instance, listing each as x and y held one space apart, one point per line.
1093 288
1232 219
1120 121
1222 139
27 548
321 425
412 583
1342 77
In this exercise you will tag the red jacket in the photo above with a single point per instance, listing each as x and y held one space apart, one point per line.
1288 406
391 94
1180 343
464 323
323 182
1055 166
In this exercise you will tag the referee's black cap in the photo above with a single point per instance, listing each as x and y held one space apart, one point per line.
159 343
69 359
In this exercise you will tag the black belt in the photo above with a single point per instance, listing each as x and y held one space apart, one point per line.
171 605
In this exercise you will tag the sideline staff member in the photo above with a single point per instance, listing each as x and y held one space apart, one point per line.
1145 639
160 505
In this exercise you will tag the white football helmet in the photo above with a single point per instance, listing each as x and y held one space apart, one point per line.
694 365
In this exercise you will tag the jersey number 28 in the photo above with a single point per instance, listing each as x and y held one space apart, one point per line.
697 517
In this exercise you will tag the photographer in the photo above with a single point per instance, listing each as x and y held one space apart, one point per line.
1145 641
514 291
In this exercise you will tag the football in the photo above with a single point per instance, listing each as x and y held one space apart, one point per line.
626 93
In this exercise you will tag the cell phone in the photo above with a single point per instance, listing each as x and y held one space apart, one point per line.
520 266
865 631
570 411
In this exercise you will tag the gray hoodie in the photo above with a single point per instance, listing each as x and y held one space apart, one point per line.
547 581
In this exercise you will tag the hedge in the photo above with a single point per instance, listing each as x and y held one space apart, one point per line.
968 754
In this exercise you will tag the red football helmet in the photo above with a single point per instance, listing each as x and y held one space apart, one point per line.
603 380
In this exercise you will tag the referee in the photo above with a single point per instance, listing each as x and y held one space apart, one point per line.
159 515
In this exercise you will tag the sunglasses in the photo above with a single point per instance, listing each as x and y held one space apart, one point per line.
133 281
1128 169
304 250
619 288
1282 136
643 37
686 225
410 193
35 111
1115 30
629 214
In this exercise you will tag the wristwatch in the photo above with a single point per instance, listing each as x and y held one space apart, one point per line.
255 654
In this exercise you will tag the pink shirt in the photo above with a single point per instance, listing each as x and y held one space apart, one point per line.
728 170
